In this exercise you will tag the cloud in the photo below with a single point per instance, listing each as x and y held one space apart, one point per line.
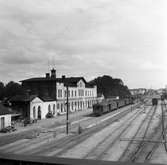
86 37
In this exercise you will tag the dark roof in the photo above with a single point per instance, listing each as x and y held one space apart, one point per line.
70 81
46 98
26 98
22 98
4 110
89 85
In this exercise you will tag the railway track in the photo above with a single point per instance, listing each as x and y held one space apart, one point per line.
134 156
146 148
130 121
99 151
124 154
65 145
160 135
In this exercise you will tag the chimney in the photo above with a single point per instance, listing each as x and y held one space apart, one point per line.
63 76
53 73
47 75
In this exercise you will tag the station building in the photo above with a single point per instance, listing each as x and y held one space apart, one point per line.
49 94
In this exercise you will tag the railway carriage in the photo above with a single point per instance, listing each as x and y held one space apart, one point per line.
108 105
154 101
100 108
120 103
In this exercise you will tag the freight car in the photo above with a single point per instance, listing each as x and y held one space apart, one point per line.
154 101
110 105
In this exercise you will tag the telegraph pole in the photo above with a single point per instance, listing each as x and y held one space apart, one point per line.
67 112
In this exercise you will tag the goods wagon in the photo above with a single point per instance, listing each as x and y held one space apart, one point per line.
154 101
109 105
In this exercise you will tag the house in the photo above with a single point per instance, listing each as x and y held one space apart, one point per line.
5 117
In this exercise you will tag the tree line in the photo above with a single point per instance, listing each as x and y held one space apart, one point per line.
10 89
110 87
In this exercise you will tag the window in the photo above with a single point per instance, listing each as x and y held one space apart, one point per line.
72 93
75 93
54 107
34 112
59 93
49 108
75 105
72 105
61 107
81 104
58 106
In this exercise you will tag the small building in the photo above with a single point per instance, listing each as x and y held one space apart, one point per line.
5 117
33 107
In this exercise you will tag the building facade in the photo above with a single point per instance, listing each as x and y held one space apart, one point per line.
81 95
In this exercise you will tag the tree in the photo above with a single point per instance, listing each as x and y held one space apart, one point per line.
2 90
111 87
13 88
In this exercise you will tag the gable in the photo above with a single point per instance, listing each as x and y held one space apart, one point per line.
81 84
36 100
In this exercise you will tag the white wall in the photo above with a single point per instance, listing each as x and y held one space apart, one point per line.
91 98
43 107
7 120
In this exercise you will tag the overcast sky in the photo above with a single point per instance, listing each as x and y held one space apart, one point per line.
123 38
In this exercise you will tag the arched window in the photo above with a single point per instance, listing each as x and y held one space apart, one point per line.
58 105
72 105
49 108
81 104
34 112
61 107
54 109
39 112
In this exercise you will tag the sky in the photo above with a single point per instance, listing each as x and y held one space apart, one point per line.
90 38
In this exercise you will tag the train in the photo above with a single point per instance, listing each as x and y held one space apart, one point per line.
154 101
108 105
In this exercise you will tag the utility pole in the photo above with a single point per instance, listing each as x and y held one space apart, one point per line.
67 122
